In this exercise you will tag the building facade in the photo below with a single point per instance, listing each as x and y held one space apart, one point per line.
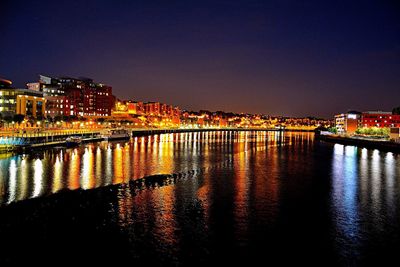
30 103
68 96
152 108
379 119
347 123
21 101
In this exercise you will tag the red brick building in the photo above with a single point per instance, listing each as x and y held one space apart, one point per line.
74 102
76 97
152 108
104 100
379 119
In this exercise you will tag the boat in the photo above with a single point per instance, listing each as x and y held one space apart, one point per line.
116 134
73 141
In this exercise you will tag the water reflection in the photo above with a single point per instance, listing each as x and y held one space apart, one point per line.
231 190
13 181
345 183
363 182
37 178
57 174
101 164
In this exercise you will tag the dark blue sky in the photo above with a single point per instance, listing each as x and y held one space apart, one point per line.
274 57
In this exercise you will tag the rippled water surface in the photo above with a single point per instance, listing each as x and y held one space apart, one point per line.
227 197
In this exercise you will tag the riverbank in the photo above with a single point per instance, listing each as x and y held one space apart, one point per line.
363 143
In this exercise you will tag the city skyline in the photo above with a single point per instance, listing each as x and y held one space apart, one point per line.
212 132
254 57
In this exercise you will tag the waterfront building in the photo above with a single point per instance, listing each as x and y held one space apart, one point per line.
57 106
7 98
347 123
75 97
394 134
379 119
128 107
139 107
34 86
20 101
167 110
152 108
30 103
131 108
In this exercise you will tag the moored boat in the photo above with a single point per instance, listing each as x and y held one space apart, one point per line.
116 134
73 141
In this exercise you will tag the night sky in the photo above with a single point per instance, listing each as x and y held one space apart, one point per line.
315 58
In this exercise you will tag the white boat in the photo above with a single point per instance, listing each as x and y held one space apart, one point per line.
116 134
73 141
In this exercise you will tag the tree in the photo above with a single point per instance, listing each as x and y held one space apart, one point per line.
396 110
333 130
8 119
18 118
50 119
71 118
39 118
375 131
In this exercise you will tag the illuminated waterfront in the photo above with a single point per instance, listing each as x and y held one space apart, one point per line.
237 196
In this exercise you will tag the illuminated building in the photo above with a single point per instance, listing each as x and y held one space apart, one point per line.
30 103
57 106
394 134
33 86
20 101
75 97
127 107
97 100
152 108
132 108
347 123
139 107
379 119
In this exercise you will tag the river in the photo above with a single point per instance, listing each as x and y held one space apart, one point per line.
228 197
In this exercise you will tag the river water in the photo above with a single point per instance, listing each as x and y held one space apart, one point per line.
228 197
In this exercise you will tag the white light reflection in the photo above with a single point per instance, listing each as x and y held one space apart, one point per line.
390 165
345 186
37 178
12 185
376 178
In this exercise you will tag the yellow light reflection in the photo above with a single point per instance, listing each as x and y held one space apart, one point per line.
87 179
57 180
118 172
74 170
23 191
